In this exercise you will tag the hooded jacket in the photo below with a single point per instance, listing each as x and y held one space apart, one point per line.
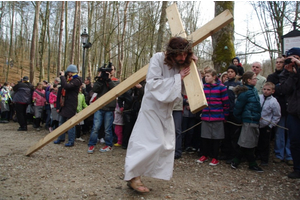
247 107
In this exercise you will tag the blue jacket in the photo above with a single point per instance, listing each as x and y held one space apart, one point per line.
247 107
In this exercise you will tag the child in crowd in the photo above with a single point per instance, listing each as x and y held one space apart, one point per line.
118 123
54 112
248 109
229 146
270 116
224 77
5 100
39 101
80 106
238 64
213 117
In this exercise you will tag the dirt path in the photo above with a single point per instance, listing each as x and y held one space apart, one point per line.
57 172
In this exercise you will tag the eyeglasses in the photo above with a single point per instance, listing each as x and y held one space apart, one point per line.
279 62
257 67
254 79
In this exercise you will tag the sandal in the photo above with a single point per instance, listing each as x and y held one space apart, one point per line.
137 185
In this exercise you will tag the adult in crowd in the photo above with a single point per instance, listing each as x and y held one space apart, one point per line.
282 141
290 82
22 97
151 146
257 68
70 85
104 83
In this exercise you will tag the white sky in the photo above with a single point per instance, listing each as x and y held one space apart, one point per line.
242 12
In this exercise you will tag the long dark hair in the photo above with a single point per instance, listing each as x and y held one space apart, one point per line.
175 46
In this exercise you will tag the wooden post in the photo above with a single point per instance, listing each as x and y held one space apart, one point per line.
198 36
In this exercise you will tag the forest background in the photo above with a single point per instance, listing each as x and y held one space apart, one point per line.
40 38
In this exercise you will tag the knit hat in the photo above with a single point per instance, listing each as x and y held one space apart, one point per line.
236 58
293 51
25 78
234 68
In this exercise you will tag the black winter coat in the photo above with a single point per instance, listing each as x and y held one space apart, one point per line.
71 97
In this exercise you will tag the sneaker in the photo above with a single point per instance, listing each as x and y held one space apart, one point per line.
105 149
50 129
80 139
202 159
294 174
234 165
289 162
263 163
277 160
117 145
256 168
58 141
69 144
91 149
214 162
190 150
102 141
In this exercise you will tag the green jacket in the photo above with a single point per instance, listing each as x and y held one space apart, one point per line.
247 107
81 102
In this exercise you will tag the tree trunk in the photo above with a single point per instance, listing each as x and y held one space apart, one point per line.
60 39
162 26
223 40
66 36
11 40
72 54
33 41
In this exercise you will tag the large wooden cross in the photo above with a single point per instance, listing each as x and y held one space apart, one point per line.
192 83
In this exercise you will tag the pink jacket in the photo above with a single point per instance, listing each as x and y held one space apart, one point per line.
40 99
53 98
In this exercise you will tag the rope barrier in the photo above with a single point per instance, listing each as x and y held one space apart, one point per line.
235 125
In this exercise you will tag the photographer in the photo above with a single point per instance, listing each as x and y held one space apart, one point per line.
67 101
104 82
290 85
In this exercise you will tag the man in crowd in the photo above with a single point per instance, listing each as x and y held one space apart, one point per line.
104 82
256 68
22 97
282 141
290 82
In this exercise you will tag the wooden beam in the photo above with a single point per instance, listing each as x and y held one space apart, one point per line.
137 77
126 85
192 82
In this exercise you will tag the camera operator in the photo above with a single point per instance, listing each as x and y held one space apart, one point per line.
104 82
290 85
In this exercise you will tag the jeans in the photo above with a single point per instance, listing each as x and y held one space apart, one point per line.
108 117
282 141
293 124
71 132
177 116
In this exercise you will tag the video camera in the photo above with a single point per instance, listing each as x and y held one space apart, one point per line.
103 70
287 61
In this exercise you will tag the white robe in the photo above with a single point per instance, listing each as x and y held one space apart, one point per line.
151 146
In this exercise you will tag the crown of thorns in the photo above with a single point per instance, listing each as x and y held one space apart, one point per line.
188 46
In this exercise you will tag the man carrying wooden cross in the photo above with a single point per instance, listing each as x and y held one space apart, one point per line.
152 143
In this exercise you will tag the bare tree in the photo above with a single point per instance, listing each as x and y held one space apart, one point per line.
162 26
33 41
60 38
72 54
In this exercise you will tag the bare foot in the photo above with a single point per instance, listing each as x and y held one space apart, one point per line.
137 185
